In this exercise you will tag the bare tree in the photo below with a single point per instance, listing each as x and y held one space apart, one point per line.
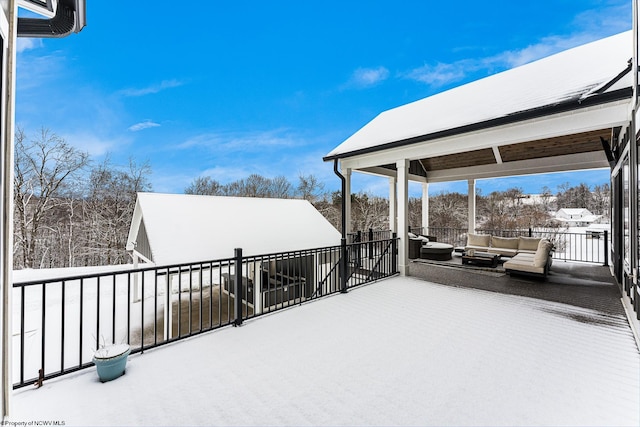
448 210
369 211
204 186
109 205
309 187
44 168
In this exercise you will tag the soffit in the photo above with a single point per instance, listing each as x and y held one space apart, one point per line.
584 142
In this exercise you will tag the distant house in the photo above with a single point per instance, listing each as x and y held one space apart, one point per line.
576 217
172 229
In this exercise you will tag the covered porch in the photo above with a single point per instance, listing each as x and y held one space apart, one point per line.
570 111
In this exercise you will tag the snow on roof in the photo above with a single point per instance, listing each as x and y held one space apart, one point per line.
575 211
190 228
571 75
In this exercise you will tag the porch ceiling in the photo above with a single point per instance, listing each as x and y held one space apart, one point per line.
583 150
584 142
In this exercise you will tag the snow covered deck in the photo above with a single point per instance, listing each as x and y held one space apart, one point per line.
401 351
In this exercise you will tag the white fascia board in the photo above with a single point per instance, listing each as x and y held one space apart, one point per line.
135 225
40 10
379 171
577 121
571 162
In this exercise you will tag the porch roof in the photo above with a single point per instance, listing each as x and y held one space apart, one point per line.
562 108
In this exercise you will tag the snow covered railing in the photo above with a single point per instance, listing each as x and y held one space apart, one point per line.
60 322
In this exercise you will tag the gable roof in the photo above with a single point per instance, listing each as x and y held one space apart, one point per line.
184 228
592 73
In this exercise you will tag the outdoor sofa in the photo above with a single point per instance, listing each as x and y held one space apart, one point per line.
537 264
504 246
529 255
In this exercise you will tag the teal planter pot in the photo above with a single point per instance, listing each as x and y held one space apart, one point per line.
111 361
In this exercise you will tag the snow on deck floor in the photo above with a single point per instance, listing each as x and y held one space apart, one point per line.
398 352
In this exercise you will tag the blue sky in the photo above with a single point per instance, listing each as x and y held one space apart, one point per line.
226 89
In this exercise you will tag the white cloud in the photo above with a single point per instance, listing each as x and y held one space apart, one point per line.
546 47
93 144
367 77
590 25
24 43
165 84
243 141
143 125
226 175
439 74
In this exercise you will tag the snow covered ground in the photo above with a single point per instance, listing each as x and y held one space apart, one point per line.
397 352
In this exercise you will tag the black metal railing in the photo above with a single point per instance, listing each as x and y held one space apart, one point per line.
60 322
368 236
588 246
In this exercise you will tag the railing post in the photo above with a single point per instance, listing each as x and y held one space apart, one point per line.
238 287
359 250
343 266
394 253
370 245
606 248
530 232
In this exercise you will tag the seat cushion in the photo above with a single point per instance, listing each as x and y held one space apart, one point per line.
515 264
478 240
502 251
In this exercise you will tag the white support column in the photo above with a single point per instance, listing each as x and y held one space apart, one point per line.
347 199
393 205
403 216
472 206
425 207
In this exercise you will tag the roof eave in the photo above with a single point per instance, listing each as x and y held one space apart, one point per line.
547 110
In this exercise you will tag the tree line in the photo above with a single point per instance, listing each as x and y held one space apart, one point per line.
72 212
68 211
